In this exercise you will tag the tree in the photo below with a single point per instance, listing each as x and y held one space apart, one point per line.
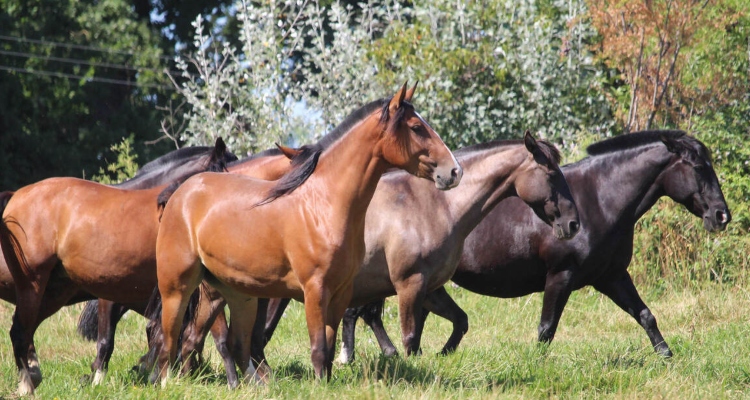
677 58
77 77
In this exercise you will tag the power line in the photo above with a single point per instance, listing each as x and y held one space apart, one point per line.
84 62
79 77
72 46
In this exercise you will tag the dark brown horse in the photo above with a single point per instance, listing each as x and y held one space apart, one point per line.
99 318
414 235
251 238
66 240
620 181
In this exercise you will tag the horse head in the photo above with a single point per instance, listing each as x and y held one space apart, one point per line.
542 185
690 180
410 143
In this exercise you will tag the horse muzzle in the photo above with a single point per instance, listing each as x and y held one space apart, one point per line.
450 180
717 220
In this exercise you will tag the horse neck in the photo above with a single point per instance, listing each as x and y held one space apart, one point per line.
626 182
489 177
266 168
348 171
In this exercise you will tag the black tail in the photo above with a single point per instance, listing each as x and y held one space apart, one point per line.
88 322
153 314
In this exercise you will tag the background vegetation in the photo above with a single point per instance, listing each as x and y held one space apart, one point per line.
97 87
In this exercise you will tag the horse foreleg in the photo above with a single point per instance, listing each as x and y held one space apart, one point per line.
411 294
109 314
623 292
351 315
258 341
441 303
556 293
372 315
316 306
336 309
275 311
242 319
220 333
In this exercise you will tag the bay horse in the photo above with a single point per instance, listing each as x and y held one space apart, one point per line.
301 236
414 236
173 166
620 180
99 318
66 240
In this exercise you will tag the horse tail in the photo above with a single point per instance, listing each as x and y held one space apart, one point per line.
153 314
14 257
88 322
163 198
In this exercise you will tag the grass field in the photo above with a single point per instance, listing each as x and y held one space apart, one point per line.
599 352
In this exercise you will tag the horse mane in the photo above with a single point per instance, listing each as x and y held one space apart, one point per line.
549 150
170 159
304 164
633 140
215 163
265 153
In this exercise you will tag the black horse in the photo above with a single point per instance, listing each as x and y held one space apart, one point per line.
511 253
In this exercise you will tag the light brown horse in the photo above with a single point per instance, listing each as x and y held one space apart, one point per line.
250 238
100 317
66 240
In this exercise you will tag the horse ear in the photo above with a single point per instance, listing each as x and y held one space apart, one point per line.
533 147
220 147
410 92
671 146
289 152
397 99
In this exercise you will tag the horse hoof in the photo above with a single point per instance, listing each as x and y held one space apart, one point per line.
25 384
392 352
99 376
664 351
346 356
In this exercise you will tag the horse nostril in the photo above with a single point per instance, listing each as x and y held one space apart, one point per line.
574 225
722 217
454 173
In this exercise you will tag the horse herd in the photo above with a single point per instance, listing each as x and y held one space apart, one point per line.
341 225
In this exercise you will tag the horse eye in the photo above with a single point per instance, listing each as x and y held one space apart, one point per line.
418 129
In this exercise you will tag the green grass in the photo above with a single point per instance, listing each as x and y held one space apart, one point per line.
598 352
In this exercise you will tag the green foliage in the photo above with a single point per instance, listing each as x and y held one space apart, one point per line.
55 126
486 70
671 244
493 69
124 168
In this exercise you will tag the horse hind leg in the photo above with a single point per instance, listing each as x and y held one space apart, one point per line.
109 314
242 320
175 286
441 303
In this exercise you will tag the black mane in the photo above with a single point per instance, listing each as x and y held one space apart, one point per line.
303 165
632 140
172 158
